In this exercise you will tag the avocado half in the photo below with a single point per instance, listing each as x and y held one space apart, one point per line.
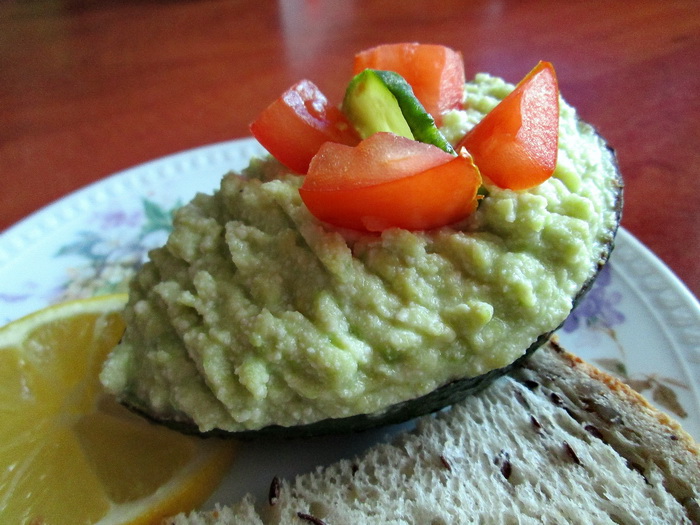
227 337
439 398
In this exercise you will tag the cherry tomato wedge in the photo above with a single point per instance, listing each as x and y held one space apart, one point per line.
435 72
515 145
294 126
390 181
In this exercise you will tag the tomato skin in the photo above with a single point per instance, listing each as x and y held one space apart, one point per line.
293 127
435 72
516 144
369 189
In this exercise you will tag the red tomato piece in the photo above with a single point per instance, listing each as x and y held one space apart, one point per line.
435 72
294 126
390 181
516 144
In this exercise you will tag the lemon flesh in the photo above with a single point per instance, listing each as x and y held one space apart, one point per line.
69 453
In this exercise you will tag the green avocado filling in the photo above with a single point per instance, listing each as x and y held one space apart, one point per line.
254 313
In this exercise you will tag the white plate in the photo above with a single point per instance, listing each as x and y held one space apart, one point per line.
639 321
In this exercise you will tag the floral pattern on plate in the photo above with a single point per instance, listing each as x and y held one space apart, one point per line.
113 251
599 312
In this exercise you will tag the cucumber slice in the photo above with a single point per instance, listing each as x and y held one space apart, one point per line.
372 107
383 101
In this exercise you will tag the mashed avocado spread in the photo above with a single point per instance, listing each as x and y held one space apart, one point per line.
254 313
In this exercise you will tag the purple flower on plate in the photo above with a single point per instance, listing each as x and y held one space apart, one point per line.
13 298
598 309
120 218
28 288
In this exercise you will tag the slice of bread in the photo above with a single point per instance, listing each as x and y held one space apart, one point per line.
556 441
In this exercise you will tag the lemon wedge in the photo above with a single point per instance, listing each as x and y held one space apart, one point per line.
70 454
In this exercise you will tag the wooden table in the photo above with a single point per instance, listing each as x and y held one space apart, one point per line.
88 88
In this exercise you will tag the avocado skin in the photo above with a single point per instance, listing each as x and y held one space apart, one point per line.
438 399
